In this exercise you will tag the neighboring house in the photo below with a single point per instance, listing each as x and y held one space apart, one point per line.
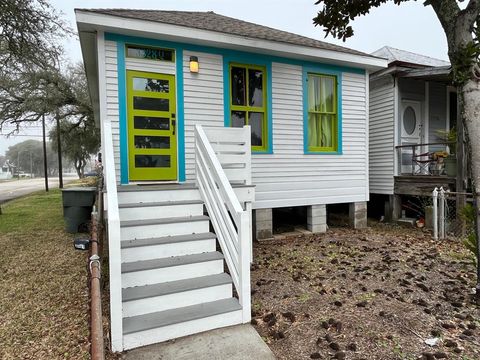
6 172
412 107
173 93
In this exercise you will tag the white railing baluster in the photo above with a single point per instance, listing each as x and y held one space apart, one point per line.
231 222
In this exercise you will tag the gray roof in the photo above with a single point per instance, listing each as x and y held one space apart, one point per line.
392 55
223 24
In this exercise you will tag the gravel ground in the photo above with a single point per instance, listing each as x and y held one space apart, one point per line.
367 294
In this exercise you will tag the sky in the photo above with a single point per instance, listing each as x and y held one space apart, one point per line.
411 26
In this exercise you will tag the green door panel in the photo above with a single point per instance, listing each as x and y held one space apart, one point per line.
152 138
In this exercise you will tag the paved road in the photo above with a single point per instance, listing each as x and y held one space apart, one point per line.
13 189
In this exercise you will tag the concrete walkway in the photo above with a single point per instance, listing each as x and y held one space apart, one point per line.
239 342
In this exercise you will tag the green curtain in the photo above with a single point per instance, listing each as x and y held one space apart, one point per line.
320 99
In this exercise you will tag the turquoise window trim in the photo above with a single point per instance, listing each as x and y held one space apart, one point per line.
320 69
122 103
227 52
249 59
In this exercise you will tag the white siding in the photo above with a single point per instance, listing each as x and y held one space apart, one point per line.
437 114
112 99
382 135
203 100
288 177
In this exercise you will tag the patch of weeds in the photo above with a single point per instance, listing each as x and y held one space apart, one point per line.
304 297
257 306
367 296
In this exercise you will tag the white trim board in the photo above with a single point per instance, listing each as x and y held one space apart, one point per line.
88 21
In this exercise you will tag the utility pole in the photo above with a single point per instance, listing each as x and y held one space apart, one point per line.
45 170
59 148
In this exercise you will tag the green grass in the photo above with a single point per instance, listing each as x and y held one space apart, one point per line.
37 211
43 287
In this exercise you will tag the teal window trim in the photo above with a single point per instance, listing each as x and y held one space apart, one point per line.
227 52
250 59
320 69
121 42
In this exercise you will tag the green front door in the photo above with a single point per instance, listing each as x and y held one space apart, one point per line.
152 141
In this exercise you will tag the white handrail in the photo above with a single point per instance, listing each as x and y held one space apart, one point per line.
113 239
230 221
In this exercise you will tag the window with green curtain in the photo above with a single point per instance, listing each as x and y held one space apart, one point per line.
322 113
248 100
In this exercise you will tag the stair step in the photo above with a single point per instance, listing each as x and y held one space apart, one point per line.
172 226
157 193
156 187
172 287
171 261
160 203
175 316
160 209
170 220
128 244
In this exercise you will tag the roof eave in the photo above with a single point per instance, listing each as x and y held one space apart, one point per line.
89 21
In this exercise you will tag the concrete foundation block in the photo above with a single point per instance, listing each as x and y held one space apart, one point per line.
317 218
263 224
358 214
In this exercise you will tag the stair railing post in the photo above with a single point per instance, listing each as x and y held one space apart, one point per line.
244 273
435 213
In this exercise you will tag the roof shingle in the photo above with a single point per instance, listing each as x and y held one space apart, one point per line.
224 24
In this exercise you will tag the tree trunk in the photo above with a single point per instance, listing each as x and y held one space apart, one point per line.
471 116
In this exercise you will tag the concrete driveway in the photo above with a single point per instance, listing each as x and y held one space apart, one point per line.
15 188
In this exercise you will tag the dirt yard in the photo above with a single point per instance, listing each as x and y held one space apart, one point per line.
372 294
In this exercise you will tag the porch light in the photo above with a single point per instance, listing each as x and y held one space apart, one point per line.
193 64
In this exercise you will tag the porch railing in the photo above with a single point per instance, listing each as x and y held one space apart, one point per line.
113 228
423 159
230 221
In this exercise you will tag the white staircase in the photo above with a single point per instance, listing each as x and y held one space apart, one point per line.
173 279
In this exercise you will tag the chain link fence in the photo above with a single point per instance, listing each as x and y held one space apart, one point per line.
447 221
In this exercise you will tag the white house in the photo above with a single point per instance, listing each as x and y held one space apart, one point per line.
222 114
412 107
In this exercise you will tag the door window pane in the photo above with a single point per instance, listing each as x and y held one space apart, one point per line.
238 118
238 85
152 142
255 121
409 120
152 161
255 87
154 85
152 123
154 104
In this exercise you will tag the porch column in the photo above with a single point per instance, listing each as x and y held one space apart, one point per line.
317 218
358 214
263 224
